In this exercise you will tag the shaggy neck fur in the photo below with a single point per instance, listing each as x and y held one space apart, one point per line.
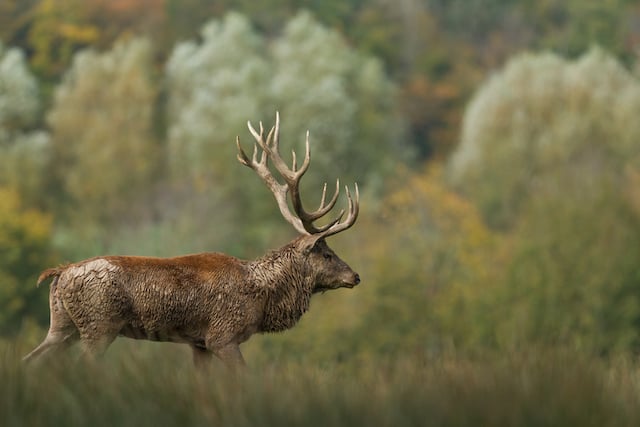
285 277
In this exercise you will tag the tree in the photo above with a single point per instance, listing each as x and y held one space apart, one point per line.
104 150
23 150
214 87
347 103
572 27
572 278
24 233
233 75
58 29
24 165
549 153
541 115
24 251
19 98
433 270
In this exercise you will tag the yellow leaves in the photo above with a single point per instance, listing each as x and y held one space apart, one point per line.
539 117
59 29
432 260
20 231
424 203
24 250
32 223
83 34
104 133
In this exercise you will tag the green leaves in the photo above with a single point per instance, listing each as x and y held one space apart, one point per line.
548 154
102 136
540 117
19 100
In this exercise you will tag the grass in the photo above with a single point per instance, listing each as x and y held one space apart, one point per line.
134 386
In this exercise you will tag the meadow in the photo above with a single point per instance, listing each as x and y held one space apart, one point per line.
140 384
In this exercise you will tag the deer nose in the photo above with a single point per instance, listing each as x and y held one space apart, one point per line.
356 279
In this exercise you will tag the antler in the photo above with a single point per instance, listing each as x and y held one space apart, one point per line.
302 220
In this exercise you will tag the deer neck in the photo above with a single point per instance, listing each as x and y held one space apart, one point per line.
287 283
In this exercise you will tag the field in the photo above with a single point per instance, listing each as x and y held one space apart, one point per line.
138 384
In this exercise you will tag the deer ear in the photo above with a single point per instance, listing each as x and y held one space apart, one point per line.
310 242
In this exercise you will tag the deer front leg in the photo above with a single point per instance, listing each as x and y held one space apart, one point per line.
230 356
201 357
94 346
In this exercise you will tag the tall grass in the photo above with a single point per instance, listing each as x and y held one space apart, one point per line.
130 387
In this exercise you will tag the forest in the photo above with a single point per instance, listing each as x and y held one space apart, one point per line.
496 145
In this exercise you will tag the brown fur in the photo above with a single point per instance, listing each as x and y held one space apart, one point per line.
211 301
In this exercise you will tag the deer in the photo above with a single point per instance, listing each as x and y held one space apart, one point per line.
210 301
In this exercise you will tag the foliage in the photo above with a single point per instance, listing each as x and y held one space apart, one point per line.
572 27
435 50
24 251
213 90
23 165
573 275
23 151
435 82
19 101
102 133
438 262
502 27
541 115
343 102
549 154
346 103
59 29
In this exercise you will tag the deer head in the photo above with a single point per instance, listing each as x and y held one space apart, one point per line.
329 271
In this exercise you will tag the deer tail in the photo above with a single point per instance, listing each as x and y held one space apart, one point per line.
50 272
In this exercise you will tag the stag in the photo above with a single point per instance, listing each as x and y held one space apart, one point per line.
211 301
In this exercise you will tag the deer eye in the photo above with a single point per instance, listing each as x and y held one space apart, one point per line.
327 256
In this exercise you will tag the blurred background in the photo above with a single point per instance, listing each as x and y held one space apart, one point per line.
496 144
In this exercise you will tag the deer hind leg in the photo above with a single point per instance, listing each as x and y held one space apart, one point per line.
62 333
54 342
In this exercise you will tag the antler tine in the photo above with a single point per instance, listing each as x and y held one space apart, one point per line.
263 155
333 200
307 155
259 137
291 176
271 139
323 229
324 209
276 128
324 195
242 156
307 158
354 210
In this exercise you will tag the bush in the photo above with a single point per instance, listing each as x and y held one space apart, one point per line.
550 155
